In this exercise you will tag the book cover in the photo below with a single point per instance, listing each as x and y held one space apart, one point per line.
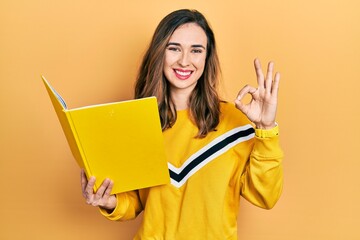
122 141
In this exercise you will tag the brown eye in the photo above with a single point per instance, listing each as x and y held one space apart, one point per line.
175 49
197 50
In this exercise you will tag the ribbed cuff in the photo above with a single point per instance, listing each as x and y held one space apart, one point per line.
267 133
119 210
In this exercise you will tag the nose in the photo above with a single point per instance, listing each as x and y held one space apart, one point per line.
184 60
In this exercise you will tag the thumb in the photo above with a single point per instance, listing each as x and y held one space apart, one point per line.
241 106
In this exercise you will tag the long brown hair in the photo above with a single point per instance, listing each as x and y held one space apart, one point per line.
204 102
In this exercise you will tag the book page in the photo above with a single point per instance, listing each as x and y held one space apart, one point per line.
61 100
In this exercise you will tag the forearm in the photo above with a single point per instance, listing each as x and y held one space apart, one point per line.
262 180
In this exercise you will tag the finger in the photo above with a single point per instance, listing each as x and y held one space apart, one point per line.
101 190
275 85
89 188
83 179
259 73
245 90
109 189
269 76
102 197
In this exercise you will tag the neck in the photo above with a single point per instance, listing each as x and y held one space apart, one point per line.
180 99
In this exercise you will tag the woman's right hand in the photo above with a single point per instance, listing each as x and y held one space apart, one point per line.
102 197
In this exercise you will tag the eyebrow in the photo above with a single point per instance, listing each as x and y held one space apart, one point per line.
178 44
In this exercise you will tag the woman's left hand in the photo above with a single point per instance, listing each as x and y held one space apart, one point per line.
261 110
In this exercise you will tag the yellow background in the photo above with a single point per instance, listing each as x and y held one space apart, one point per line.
90 51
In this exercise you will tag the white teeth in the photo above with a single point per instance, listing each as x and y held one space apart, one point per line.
183 73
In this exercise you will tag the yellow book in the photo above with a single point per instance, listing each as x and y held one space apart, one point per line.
122 141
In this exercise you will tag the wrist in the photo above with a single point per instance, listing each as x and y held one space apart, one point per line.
111 203
265 126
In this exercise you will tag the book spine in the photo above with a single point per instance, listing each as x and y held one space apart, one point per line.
76 147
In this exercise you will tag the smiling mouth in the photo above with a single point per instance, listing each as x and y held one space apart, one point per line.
183 74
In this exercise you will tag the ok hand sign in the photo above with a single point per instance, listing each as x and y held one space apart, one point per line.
261 110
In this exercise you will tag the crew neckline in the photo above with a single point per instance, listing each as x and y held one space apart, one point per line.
183 112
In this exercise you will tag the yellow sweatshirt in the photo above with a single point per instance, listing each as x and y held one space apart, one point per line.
208 176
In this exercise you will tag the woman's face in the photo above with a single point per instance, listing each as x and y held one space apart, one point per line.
185 57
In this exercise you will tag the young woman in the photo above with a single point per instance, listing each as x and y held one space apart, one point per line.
214 154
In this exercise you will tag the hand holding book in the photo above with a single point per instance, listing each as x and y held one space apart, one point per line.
102 197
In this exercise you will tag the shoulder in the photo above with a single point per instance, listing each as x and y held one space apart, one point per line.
229 114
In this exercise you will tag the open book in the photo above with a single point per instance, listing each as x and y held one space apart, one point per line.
122 141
